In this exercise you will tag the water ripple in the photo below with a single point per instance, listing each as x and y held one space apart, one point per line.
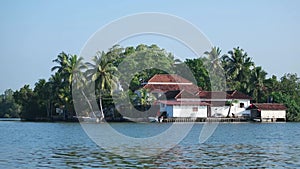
50 145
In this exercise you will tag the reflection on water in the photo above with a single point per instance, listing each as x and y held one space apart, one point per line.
65 145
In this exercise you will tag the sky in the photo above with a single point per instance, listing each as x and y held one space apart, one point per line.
33 32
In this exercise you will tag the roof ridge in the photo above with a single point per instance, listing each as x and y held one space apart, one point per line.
152 78
234 91
179 93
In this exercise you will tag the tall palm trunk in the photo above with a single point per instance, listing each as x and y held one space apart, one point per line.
48 109
230 103
101 108
90 105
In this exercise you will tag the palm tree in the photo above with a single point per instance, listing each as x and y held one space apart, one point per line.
214 67
143 98
258 76
82 86
103 73
213 57
230 103
61 60
68 66
41 89
271 85
237 66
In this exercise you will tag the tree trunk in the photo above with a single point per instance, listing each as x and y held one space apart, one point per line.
101 108
48 109
230 103
90 106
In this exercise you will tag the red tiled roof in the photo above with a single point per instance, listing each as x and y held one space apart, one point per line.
168 78
171 82
167 82
267 106
213 95
185 94
223 95
217 103
173 102
169 95
168 87
238 95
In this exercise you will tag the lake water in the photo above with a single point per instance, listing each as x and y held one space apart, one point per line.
232 145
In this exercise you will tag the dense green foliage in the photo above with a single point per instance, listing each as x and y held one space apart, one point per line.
124 70
243 75
8 106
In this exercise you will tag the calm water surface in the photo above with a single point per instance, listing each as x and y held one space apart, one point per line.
233 145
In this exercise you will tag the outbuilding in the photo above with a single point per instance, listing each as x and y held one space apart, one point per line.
267 112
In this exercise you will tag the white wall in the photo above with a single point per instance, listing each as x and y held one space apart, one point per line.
235 109
187 111
273 114
217 111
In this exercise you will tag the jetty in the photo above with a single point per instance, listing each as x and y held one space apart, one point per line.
198 119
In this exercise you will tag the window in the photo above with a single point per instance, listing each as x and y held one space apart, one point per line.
242 105
195 109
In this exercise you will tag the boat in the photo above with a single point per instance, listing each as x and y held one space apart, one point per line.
88 119
141 119
256 120
153 119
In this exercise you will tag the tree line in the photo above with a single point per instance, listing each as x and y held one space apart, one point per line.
108 72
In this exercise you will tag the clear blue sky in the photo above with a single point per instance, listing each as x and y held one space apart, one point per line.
33 32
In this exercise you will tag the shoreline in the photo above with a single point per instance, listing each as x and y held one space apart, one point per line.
166 120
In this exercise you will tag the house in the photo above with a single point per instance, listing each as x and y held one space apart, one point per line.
232 103
180 103
267 112
179 97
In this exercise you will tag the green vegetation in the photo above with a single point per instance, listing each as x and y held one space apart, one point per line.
109 71
8 106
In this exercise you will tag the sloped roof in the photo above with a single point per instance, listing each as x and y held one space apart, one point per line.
267 106
223 95
165 88
213 95
169 95
217 103
167 78
174 102
170 82
234 94
183 94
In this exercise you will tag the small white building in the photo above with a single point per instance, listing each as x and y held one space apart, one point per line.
175 108
267 112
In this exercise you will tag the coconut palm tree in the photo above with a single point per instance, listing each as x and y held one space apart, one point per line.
61 60
213 65
68 66
237 66
143 98
258 76
103 73
78 80
213 57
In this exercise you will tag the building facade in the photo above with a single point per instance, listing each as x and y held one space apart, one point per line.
267 112
178 97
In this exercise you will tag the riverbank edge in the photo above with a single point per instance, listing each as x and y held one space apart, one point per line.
143 120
